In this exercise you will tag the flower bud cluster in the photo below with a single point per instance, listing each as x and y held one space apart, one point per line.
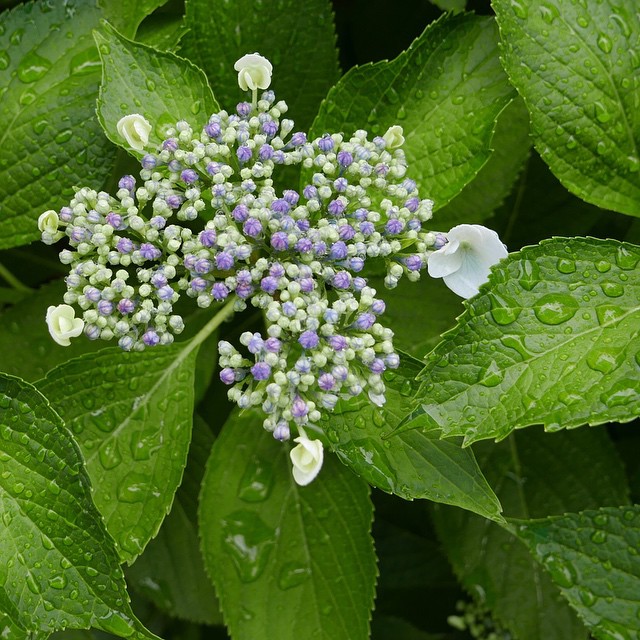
205 221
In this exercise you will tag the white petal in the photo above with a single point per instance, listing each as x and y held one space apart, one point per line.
307 459
445 260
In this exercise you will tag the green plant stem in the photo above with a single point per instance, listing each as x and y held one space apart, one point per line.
12 280
222 315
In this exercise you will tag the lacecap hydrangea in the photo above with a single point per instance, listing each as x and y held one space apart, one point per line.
204 220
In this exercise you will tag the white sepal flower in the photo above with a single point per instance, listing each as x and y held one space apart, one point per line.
48 222
254 72
135 129
465 261
393 138
63 324
307 459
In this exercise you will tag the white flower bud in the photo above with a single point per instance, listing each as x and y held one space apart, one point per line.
254 72
135 129
307 459
63 324
48 222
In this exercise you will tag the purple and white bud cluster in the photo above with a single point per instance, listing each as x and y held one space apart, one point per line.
205 221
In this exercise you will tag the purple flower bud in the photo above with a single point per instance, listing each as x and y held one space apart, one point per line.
173 200
243 109
113 219
269 284
377 366
272 345
165 293
276 270
336 207
149 252
266 151
309 339
299 408
158 279
158 222
378 306
359 284
171 144
392 360
219 291
244 154
339 250
212 129
78 234
227 375
340 185
280 206
126 306
381 169
298 138
440 241
105 307
342 280
413 263
304 245
409 185
338 343
340 372
320 248
66 213
289 309
150 338
310 192
412 204
303 225
280 241
189 176
414 224
127 182
208 237
356 264
307 285
92 331
198 284
346 231
213 168
240 213
278 157
367 228
244 277
303 365
149 161
261 371
282 432
326 382
270 128
252 227
344 158
394 226
190 261
325 143
203 266
365 321
331 316
224 261
218 190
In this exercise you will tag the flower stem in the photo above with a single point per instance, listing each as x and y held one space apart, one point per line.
222 315
12 280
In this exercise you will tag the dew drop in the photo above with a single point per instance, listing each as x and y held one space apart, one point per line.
571 143
257 481
58 582
492 376
608 630
634 164
608 313
599 537
548 13
626 259
566 265
603 266
64 136
133 488
292 575
133 540
114 623
392 96
519 9
529 275
402 113
249 541
109 454
604 43
602 519
622 24
587 598
555 308
602 115
583 21
621 393
561 572
503 310
84 63
602 360
33 68
32 583
4 60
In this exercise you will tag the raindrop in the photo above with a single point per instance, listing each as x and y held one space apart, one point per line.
133 540
32 68
64 136
548 13
392 96
602 115
571 143
402 113
32 584
622 24
604 43
602 360
133 488
634 164
608 313
566 265
621 393
587 598
84 63
555 308
248 541
608 630
626 259
457 99
58 582
406 388
292 575
257 481
529 275
504 310
583 22
109 454
612 289
4 60
561 572
519 9
492 375
602 519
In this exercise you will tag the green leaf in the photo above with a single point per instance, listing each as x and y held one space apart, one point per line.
297 36
287 561
577 71
131 414
534 474
160 86
511 145
593 557
68 573
170 572
450 5
163 31
27 348
410 464
448 116
50 137
127 16
554 320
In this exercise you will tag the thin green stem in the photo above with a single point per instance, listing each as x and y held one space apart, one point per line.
12 280
222 315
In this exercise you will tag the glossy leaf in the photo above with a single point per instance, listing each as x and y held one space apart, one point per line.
534 474
297 36
577 69
593 557
50 137
448 117
556 319
58 565
411 464
287 561
158 85
131 414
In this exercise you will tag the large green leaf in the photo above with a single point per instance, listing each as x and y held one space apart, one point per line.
58 565
593 557
446 91
287 561
410 464
511 146
577 69
131 414
555 320
50 138
534 474
170 572
158 85
297 36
